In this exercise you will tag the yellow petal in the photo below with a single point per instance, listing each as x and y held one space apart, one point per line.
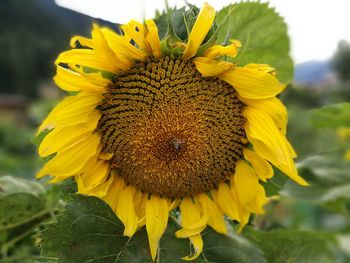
209 67
153 38
72 110
157 212
121 46
226 201
262 67
219 50
250 193
261 166
269 143
193 222
85 42
251 83
274 108
191 216
267 153
137 32
103 50
71 160
140 204
215 216
126 211
199 31
242 211
197 243
62 137
86 58
114 191
94 173
99 190
72 81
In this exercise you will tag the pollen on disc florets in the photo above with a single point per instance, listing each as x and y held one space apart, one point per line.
171 131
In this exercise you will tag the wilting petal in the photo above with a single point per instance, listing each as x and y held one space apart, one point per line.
251 83
200 29
209 67
157 212
261 166
219 50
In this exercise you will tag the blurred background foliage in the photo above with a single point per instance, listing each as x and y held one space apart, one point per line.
302 225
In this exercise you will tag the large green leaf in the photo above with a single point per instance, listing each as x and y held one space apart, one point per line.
335 115
20 201
263 35
89 231
294 246
329 179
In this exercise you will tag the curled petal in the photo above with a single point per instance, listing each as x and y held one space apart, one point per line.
209 67
219 50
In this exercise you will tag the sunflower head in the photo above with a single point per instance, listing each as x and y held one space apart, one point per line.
161 124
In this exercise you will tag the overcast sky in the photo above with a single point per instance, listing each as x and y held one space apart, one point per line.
315 26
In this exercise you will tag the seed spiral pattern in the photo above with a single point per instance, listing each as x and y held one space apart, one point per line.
171 131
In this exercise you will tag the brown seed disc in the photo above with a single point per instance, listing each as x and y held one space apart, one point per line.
172 132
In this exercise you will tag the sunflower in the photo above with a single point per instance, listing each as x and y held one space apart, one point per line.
150 127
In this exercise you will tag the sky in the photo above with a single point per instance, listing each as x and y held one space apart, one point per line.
315 26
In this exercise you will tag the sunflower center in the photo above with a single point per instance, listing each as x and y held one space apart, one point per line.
171 131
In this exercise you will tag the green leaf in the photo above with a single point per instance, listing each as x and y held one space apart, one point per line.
335 115
232 248
89 231
20 201
274 185
293 246
329 181
263 34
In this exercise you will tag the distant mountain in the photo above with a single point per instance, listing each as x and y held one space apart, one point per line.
33 33
312 72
